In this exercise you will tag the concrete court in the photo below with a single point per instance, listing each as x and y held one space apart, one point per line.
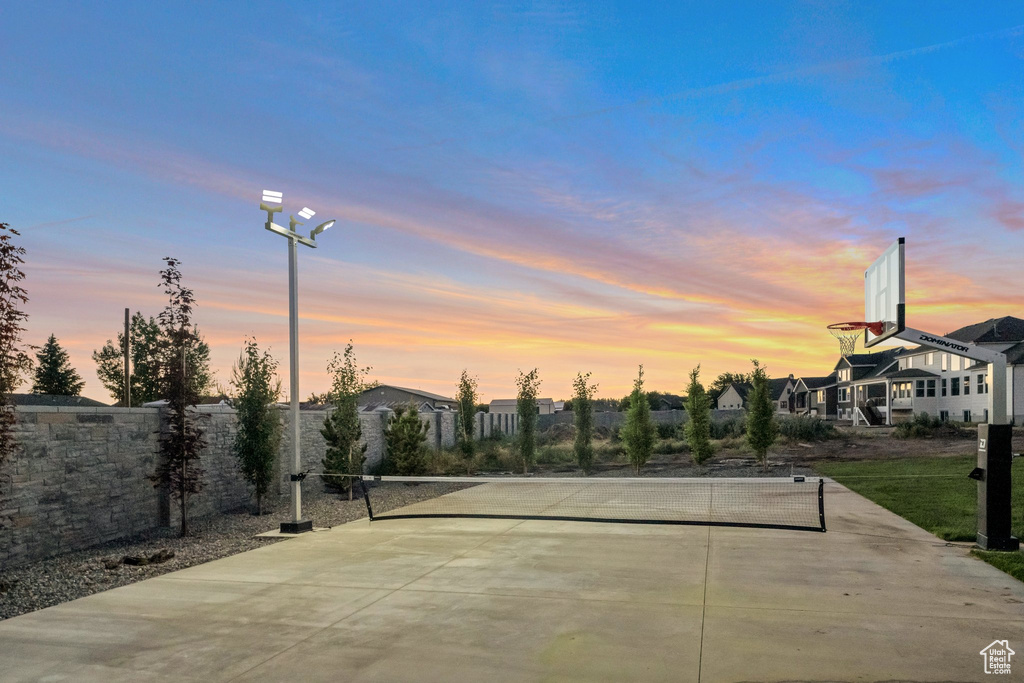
875 598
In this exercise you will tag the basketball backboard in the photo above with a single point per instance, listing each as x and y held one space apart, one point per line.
884 285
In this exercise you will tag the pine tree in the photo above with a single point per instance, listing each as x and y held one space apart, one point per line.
259 423
54 374
638 432
466 397
404 440
762 427
182 442
341 430
698 426
14 361
583 418
526 409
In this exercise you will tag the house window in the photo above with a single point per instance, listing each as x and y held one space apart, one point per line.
955 365
930 358
844 395
945 362
982 387
954 386
931 388
910 362
967 385
944 415
919 389
943 386
967 416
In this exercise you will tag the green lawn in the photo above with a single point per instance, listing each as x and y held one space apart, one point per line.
936 495
933 493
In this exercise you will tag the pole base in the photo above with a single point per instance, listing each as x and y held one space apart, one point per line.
1004 543
298 527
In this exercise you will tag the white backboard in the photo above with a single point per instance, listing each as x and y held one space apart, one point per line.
884 285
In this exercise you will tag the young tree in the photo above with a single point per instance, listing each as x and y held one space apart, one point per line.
182 442
698 426
54 374
762 427
466 396
146 344
583 417
341 429
526 408
404 440
254 377
14 360
638 432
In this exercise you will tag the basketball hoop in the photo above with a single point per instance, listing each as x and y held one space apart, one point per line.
848 333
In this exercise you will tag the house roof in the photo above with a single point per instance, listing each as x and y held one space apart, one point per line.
54 400
417 392
819 382
1015 354
908 373
992 331
513 401
869 359
777 385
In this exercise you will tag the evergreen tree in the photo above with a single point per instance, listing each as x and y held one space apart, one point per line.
698 426
259 424
182 442
466 396
762 427
638 432
404 440
14 361
146 344
526 409
341 430
54 374
583 417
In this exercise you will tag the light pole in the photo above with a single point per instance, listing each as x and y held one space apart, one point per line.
297 524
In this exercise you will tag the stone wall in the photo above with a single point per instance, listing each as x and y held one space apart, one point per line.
80 476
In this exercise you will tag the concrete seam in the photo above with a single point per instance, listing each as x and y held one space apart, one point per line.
704 609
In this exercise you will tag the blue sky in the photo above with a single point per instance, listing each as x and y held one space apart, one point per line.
572 186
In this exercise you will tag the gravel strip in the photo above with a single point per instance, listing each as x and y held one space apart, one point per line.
30 587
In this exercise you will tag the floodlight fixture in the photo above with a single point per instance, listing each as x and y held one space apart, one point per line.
271 197
320 228
307 212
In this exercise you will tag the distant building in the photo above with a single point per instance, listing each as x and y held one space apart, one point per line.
53 400
816 397
504 406
388 396
780 391
735 396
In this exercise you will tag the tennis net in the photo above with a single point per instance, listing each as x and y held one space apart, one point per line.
769 502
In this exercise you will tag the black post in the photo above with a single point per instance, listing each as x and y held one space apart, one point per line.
127 360
821 503
366 497
995 457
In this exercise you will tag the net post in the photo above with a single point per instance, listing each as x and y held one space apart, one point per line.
821 503
366 497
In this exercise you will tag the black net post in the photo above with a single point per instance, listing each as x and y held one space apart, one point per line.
821 503
366 497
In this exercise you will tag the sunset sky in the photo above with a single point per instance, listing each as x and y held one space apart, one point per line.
568 186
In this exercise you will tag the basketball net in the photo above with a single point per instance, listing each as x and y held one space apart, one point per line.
848 333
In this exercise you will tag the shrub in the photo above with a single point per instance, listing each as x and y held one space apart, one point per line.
923 426
728 428
805 428
667 430
638 431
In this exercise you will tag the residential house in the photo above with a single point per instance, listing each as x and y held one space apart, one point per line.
903 382
734 397
503 406
816 397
